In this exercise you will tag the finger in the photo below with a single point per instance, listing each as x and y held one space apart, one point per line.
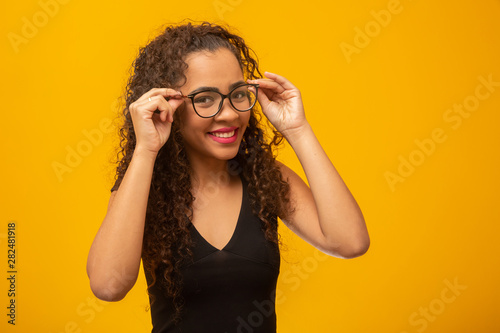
173 98
175 101
281 80
269 84
273 91
174 104
157 117
165 109
149 96
268 88
155 106
165 92
262 98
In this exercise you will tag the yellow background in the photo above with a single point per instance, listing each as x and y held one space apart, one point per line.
438 226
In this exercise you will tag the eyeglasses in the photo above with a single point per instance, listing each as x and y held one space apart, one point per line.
208 103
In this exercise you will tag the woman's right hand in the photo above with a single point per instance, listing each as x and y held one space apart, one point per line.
152 129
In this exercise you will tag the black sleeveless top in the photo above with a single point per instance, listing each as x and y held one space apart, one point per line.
228 290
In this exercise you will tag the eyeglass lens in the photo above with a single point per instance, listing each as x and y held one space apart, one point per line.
207 103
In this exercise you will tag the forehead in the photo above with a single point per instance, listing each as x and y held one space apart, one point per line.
214 69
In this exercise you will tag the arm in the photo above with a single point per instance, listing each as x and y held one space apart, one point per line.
325 215
114 258
115 255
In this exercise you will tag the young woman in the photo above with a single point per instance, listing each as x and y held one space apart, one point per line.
199 192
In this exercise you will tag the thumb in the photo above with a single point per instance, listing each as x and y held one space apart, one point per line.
175 102
262 98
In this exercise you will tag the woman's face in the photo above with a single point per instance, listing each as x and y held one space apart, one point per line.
212 138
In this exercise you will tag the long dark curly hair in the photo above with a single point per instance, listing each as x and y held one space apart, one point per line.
167 242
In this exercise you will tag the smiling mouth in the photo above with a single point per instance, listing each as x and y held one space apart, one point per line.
223 134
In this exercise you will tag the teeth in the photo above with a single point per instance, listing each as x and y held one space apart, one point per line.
223 134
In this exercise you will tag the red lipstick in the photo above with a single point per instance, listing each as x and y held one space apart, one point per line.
224 135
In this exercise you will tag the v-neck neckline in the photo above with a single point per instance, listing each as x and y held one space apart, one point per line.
243 190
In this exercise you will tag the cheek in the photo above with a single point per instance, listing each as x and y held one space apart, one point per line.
246 118
192 125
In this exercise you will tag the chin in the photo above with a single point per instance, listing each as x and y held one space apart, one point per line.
227 154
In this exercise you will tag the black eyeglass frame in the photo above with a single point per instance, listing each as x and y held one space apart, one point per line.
192 96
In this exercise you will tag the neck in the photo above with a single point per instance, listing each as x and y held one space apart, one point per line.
209 174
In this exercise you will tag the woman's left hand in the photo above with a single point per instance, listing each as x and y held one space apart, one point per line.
281 103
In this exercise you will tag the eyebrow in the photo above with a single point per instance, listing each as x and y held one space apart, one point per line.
205 88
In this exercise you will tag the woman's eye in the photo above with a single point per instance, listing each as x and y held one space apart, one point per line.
239 95
204 100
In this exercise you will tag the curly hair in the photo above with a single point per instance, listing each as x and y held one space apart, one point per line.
167 242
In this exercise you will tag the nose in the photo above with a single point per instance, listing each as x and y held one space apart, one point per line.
227 112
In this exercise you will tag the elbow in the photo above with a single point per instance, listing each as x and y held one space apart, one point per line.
358 244
356 251
108 284
106 294
108 291
351 249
